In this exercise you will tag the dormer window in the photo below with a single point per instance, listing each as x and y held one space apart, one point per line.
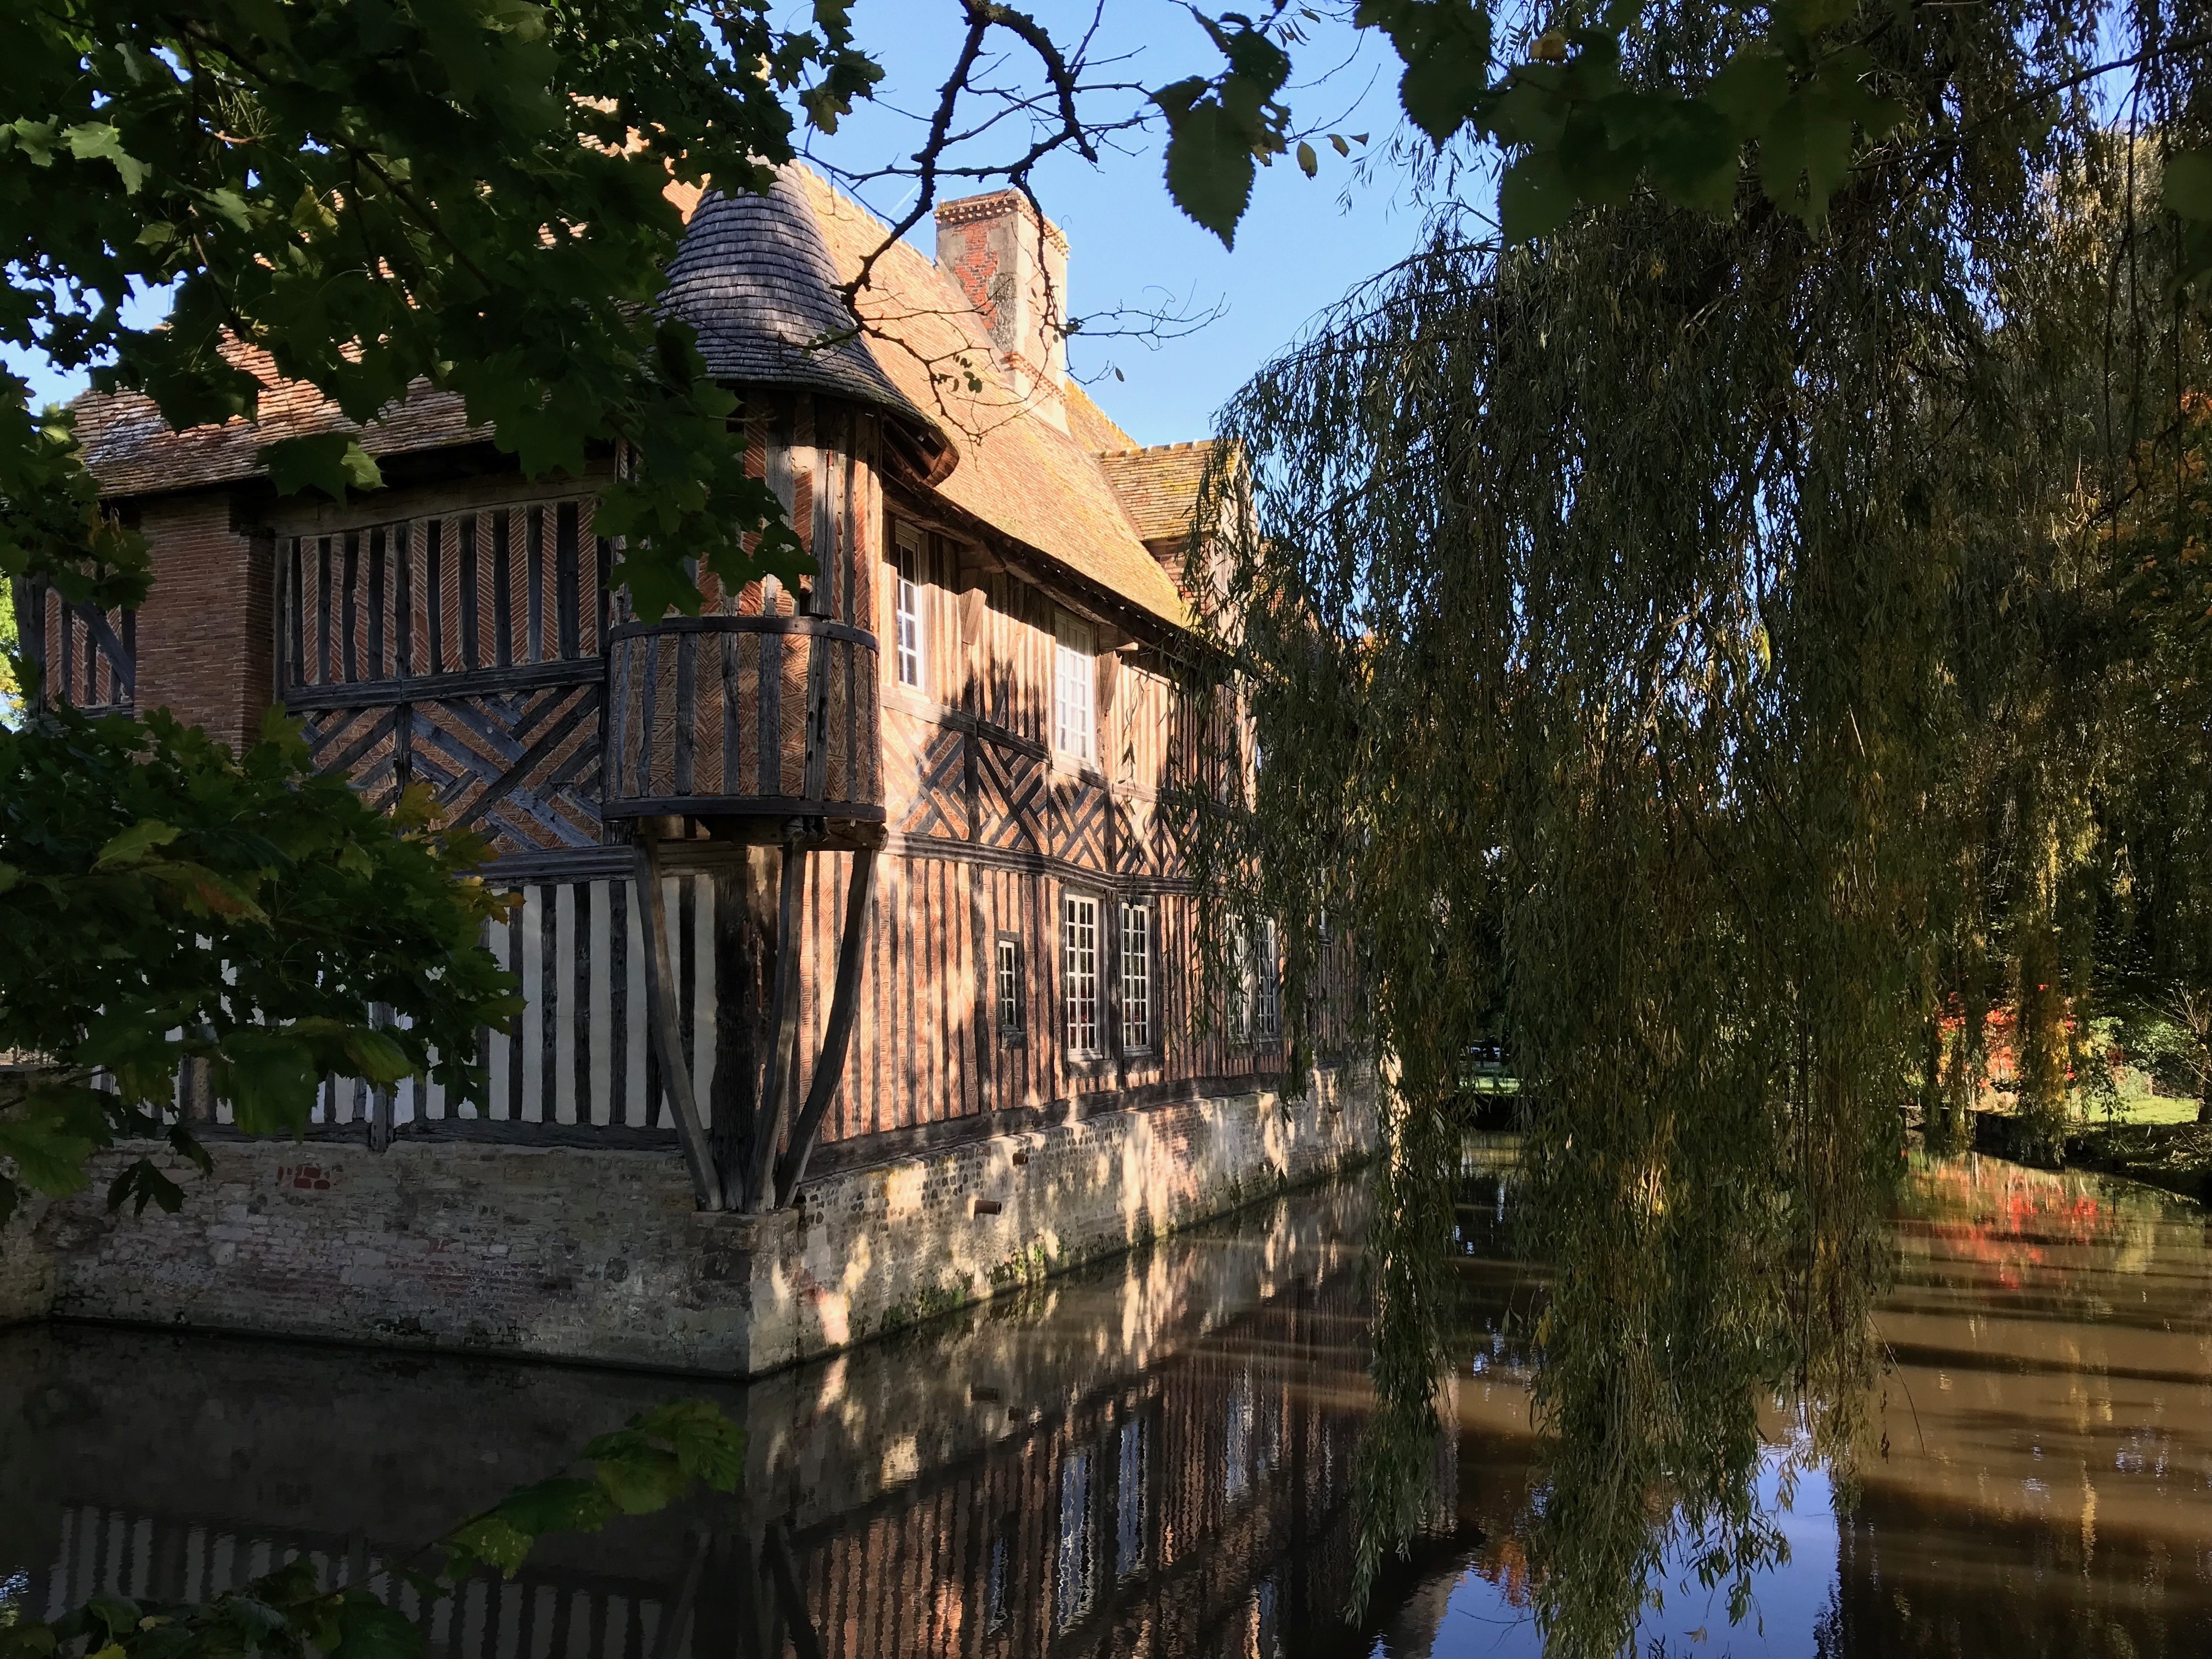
1076 663
906 604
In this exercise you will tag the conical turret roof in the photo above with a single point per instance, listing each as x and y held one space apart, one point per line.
754 278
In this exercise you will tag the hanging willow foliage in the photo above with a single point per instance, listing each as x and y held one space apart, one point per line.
1694 650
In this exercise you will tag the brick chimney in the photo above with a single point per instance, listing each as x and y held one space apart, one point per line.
1012 266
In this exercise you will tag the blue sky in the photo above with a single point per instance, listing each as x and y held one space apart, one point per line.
1301 245
1298 250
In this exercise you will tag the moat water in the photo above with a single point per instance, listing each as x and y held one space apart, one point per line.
1158 1458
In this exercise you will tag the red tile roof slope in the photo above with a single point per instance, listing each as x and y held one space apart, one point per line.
132 451
1018 472
1159 488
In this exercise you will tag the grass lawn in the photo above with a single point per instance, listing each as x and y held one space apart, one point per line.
2137 1104
2149 1109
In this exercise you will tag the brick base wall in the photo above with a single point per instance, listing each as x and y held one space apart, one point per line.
601 1256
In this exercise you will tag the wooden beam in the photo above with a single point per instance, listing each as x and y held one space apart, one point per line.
740 932
844 1003
783 1038
667 1031
790 1598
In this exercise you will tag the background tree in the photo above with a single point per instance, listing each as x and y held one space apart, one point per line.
1705 638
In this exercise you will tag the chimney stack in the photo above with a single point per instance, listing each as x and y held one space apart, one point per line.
1012 266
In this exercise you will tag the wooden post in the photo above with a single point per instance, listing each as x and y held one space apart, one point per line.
790 1599
830 1069
783 1037
667 1031
381 1099
740 948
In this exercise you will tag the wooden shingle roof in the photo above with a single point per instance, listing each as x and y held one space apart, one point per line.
755 279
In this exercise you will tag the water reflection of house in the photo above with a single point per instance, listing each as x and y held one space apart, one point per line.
919 808
1030 1480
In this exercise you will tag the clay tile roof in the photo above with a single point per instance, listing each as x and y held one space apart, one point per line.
1090 426
754 278
132 451
1160 486
1018 473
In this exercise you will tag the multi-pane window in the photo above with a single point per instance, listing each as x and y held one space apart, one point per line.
1075 664
1255 1013
1009 971
1079 935
1136 978
1267 984
1240 985
906 605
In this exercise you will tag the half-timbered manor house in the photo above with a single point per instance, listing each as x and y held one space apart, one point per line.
856 947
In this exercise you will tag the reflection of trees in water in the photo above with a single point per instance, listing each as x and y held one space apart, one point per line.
1921 1578
1692 1267
2018 1220
1175 1474
2015 1432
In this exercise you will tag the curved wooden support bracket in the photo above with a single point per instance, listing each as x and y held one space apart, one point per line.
829 1068
668 1030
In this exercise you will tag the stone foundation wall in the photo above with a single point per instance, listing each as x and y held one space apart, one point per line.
27 1266
601 1256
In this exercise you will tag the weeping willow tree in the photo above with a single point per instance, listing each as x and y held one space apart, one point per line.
1690 648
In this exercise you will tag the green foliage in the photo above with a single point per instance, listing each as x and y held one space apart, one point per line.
246 913
1696 649
1811 90
467 193
1415 1182
10 692
287 1614
1216 128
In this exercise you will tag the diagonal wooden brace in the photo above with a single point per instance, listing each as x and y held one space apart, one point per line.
830 1069
667 1028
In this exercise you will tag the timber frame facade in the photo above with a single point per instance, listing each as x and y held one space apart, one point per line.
823 876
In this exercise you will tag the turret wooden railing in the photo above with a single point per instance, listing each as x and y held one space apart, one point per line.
744 716
758 727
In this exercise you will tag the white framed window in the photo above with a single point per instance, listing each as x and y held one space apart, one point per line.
1255 1013
1075 664
1079 939
1267 984
1240 986
1136 978
1008 969
906 604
